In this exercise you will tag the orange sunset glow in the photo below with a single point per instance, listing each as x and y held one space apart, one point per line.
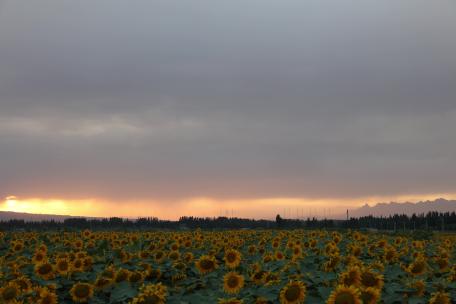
203 207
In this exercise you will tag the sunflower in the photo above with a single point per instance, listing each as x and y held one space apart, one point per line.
440 298
351 277
356 250
178 277
86 233
370 278
45 271
232 258
143 254
17 246
332 263
174 247
62 266
78 244
47 297
102 282
296 252
420 287
121 275
159 256
151 293
174 255
370 295
442 262
258 277
87 263
344 295
293 293
267 258
417 267
206 264
233 282
271 278
39 257
23 283
390 256
77 265
9 293
279 256
188 257
377 265
81 292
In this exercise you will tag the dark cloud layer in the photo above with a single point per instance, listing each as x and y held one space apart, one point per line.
176 99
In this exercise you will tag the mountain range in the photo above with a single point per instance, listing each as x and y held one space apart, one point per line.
31 217
408 208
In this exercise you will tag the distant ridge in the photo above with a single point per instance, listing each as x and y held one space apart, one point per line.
32 217
386 209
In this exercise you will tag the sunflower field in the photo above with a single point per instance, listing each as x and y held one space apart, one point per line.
239 266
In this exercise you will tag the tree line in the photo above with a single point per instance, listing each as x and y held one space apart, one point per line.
430 221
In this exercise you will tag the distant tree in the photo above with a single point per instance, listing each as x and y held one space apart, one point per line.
279 221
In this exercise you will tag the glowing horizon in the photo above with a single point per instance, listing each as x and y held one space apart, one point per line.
203 207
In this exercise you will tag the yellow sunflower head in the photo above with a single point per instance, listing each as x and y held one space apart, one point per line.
440 298
293 293
39 256
351 277
81 292
369 278
233 282
420 287
370 295
151 293
23 283
102 282
44 271
232 258
188 257
9 292
62 266
344 295
258 277
121 275
279 256
206 264
77 265
417 267
47 297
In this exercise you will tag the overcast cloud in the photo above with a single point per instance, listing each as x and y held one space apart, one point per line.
227 99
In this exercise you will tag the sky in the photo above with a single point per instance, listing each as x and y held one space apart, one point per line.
245 108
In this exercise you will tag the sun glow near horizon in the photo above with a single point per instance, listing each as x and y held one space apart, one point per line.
202 206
